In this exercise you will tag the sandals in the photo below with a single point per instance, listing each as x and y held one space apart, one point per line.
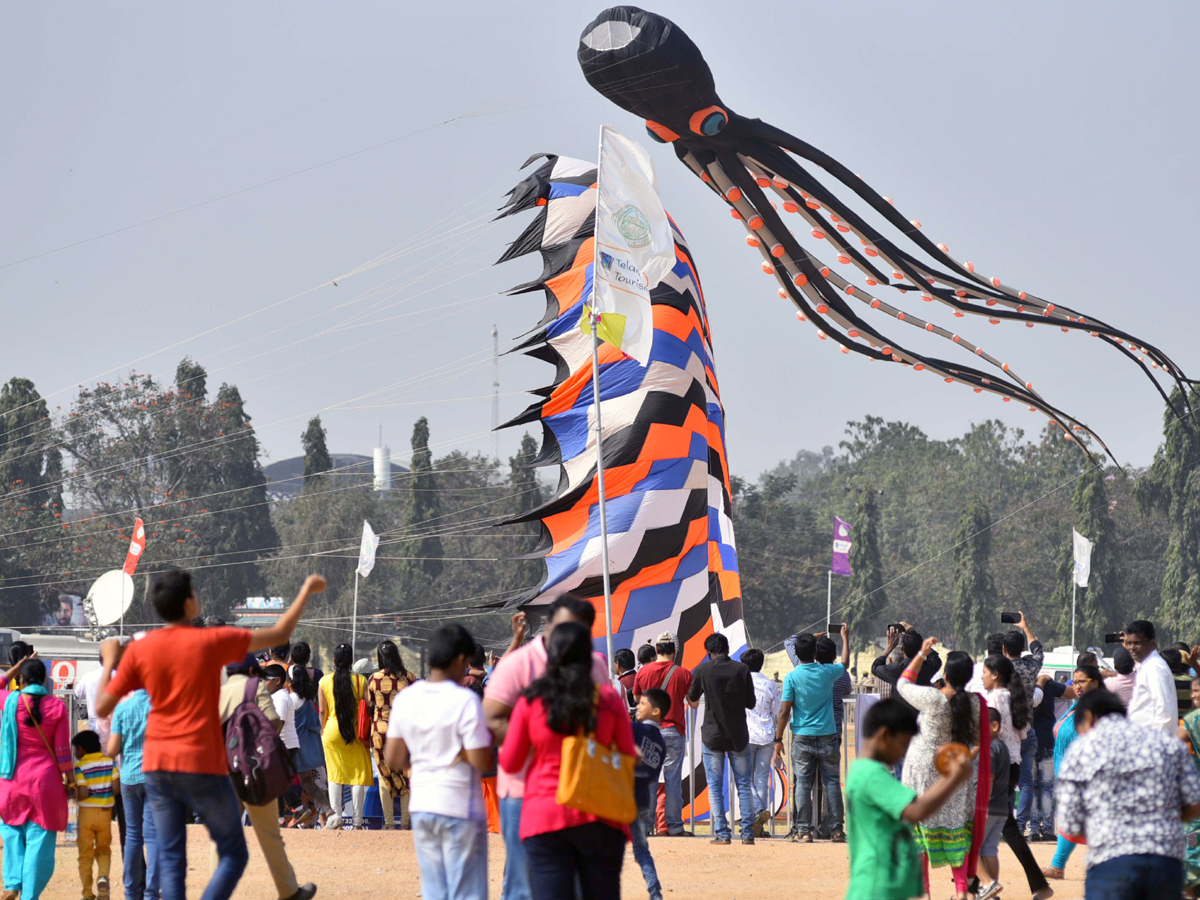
1052 874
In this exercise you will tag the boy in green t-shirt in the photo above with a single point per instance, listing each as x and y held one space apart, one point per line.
884 862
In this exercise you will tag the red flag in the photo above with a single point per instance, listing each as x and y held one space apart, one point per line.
136 545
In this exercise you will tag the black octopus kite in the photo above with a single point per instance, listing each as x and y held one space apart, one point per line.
647 65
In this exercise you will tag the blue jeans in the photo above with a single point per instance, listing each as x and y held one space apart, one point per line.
28 858
638 832
1042 816
516 863
811 755
714 773
673 778
1025 802
173 796
452 856
141 873
760 762
1140 877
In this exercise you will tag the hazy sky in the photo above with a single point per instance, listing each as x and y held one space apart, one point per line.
276 146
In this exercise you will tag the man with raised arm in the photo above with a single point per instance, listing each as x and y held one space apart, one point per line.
183 757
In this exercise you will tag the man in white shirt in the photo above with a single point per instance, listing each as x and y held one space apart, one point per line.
760 723
1154 703
285 706
438 729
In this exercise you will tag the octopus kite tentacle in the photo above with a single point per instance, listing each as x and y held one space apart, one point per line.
650 67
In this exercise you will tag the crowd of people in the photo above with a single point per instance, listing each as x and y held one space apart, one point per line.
570 759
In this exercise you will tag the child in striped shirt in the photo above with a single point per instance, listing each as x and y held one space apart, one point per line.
95 782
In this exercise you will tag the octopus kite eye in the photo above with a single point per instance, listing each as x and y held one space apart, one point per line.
660 133
709 121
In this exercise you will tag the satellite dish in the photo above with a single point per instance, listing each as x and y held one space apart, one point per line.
110 596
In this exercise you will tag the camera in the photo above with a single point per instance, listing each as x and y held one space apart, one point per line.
1009 618
1113 637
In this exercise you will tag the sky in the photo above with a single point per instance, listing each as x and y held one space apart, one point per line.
191 180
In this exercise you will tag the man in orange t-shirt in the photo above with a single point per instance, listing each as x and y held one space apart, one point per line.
183 753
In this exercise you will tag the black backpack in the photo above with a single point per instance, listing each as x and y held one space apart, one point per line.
259 763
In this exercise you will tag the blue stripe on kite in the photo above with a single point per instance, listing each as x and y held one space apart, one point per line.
649 604
728 557
563 189
665 475
699 448
695 560
570 430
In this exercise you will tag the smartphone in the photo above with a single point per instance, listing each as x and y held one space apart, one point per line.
897 627
1009 618
1113 637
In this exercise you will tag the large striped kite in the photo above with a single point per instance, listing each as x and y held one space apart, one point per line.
672 557
647 65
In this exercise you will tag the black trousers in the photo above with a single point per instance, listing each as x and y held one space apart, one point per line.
589 855
1016 840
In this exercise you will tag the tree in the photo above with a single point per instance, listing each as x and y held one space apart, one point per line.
316 454
423 546
30 501
239 530
187 466
1171 486
1098 608
867 596
975 599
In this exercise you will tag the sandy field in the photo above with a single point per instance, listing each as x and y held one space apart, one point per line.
375 865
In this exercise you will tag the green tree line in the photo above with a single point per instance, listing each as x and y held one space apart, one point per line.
947 533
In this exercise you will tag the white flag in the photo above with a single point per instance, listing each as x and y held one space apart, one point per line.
1083 558
634 245
366 553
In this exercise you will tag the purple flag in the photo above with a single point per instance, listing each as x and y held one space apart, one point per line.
841 548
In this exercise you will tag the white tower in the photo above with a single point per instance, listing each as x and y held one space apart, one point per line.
383 470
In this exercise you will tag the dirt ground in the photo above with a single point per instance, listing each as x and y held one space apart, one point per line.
374 865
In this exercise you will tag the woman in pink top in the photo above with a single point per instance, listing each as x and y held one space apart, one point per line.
564 844
36 769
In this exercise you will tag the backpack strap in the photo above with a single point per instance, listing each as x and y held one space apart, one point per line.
667 680
251 693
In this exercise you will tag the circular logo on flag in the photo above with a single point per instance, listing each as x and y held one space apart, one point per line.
632 224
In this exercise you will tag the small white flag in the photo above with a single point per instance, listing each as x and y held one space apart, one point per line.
1083 558
635 248
366 553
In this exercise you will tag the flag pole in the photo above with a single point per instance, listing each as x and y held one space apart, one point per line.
354 618
829 605
1074 593
608 629
594 316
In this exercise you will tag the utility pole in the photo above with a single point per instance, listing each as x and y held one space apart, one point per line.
496 393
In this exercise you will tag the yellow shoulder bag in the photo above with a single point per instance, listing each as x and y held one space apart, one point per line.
596 780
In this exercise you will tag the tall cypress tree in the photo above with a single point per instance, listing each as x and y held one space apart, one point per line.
1098 606
30 476
316 454
1172 486
422 544
240 531
527 496
975 600
866 594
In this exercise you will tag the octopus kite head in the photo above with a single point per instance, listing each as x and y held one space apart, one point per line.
647 65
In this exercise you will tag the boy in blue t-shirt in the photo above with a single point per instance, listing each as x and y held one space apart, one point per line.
652 751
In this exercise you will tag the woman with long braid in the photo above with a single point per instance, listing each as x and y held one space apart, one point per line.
347 759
